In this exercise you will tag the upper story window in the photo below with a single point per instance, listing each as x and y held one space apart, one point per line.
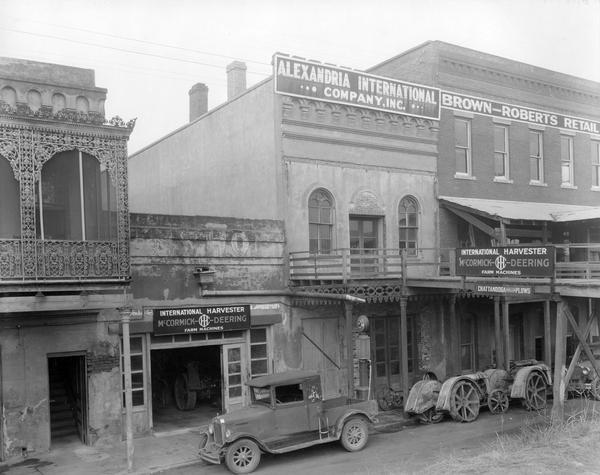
501 160
596 163
76 199
566 160
10 208
320 222
408 225
536 157
462 132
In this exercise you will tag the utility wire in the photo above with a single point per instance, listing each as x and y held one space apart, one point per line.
124 50
154 43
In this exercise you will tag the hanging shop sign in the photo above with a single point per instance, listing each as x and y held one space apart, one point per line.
535 261
478 105
324 82
501 289
170 321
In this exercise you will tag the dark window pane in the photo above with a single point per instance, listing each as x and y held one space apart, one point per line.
235 379
235 367
258 335
135 344
137 362
258 351
259 367
10 208
235 391
461 161
138 398
394 367
380 370
499 164
233 354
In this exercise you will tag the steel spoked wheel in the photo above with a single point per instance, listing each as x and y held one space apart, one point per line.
355 434
184 398
243 456
535 392
464 404
595 388
498 401
430 416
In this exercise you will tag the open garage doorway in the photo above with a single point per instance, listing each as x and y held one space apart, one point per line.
186 387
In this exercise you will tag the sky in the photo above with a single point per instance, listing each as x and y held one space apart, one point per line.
149 53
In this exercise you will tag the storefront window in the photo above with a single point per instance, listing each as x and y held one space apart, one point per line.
259 360
138 363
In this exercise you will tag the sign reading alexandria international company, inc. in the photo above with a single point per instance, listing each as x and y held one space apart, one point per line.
170 321
478 105
535 261
323 82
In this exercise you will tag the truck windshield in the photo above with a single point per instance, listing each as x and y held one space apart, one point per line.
262 395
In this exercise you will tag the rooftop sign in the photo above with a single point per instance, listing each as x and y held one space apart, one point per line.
170 321
323 82
478 105
519 261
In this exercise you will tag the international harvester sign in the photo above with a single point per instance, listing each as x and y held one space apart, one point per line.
169 321
324 82
519 261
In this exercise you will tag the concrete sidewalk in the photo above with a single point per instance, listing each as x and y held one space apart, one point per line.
152 454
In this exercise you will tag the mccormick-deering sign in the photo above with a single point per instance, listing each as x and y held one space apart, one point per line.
169 321
537 261
313 80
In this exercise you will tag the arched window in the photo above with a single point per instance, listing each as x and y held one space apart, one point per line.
76 199
320 222
408 225
10 209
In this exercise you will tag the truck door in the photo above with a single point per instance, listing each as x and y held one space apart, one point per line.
291 422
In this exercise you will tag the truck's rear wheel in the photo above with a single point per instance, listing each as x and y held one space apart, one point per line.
355 434
243 456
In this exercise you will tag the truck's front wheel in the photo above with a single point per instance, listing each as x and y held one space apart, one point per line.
355 434
243 456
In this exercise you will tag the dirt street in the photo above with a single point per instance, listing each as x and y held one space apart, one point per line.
412 450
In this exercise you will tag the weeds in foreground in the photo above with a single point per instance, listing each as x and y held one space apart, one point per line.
571 446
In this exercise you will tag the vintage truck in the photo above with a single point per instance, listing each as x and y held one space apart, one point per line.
287 412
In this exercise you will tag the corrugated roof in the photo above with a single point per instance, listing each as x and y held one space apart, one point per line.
526 210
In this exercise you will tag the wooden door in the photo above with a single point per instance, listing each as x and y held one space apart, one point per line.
321 351
364 241
234 370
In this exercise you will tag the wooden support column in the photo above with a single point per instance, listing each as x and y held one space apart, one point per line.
547 334
349 348
558 389
506 331
497 333
453 348
586 327
404 346
125 319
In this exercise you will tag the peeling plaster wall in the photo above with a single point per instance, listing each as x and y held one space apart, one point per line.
246 254
25 397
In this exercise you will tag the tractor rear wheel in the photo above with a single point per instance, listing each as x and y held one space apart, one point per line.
535 392
464 402
184 398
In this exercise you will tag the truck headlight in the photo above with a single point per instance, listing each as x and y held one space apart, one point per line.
211 428
586 371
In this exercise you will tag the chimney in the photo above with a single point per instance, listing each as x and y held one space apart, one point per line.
236 79
198 100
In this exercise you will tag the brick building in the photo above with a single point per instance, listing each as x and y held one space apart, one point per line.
64 257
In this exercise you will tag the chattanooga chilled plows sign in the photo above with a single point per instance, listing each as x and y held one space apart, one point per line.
168 321
535 261
301 78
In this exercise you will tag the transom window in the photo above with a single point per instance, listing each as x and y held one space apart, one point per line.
408 225
10 208
501 152
320 222
566 160
75 199
462 131
595 163
536 156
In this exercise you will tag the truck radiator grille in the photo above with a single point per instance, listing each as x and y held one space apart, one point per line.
218 433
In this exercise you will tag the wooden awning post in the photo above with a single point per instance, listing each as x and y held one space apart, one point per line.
403 346
506 330
547 334
558 389
497 333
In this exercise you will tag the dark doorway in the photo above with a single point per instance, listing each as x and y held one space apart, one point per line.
186 387
68 398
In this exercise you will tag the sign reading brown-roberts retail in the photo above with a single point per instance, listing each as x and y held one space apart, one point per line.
328 83
521 261
171 321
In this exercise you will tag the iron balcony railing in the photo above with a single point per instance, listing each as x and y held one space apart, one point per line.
573 261
54 260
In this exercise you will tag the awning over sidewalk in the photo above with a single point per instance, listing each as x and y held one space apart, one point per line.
523 210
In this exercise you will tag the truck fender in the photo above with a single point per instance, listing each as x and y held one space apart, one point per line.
443 400
242 435
339 425
520 379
